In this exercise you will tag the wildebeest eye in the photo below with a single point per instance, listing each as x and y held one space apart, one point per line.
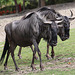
48 17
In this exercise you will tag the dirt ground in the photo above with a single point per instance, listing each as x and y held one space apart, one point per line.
62 64
64 9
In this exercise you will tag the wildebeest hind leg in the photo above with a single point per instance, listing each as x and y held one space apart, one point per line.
5 65
12 48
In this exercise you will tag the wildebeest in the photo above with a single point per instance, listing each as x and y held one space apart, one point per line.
63 27
28 32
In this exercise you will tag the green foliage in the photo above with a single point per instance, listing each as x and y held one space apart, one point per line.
26 3
11 2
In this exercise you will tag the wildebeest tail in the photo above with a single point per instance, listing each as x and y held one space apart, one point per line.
6 47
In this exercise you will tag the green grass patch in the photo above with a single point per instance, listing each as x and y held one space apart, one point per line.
64 55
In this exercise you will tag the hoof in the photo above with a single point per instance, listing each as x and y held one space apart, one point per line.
48 57
52 56
17 69
5 68
33 68
20 57
41 67
36 57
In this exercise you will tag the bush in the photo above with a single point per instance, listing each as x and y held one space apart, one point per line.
7 10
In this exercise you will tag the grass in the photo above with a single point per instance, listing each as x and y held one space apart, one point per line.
62 64
54 72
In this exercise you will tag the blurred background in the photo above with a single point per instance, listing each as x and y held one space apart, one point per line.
16 6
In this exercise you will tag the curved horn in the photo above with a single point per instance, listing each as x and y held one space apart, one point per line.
71 13
59 18
60 25
59 22
48 22
71 18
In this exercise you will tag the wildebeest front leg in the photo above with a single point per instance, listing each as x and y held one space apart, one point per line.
47 54
19 53
33 51
39 53
52 52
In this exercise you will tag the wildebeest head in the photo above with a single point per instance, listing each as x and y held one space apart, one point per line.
48 17
64 28
66 24
53 40
49 31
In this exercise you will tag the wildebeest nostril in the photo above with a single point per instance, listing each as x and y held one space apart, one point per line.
66 36
53 43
